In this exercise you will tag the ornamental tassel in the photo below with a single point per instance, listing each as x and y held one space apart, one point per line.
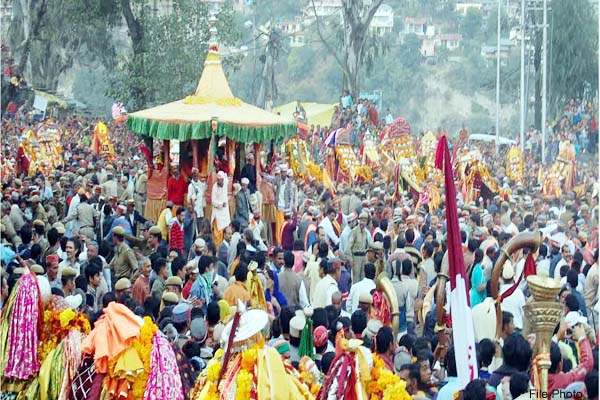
306 340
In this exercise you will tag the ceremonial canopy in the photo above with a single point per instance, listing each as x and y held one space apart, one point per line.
213 103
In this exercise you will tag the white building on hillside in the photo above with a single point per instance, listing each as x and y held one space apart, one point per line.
322 8
383 20
464 7
418 26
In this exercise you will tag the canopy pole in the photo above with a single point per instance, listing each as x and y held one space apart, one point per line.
166 158
195 154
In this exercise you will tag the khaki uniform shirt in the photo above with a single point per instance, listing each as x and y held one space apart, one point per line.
358 242
124 262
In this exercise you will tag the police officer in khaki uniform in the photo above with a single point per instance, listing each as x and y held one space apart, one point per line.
124 263
86 215
37 210
358 245
139 196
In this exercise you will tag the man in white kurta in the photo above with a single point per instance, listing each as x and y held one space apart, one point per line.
220 218
195 194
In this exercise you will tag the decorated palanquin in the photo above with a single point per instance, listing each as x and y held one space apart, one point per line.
514 165
474 176
298 155
245 368
430 194
356 373
350 168
43 147
399 154
370 151
213 126
101 143
561 175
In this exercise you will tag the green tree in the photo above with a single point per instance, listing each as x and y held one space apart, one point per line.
410 55
356 16
47 36
470 24
299 61
573 64
171 53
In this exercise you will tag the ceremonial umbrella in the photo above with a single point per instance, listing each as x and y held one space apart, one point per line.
213 103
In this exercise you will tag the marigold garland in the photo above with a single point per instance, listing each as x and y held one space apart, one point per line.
385 384
56 326
243 384
143 346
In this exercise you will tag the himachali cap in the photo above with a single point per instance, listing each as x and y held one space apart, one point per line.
123 284
372 329
198 329
296 325
574 317
52 258
508 271
181 312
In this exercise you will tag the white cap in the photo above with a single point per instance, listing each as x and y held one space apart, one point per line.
296 325
290 173
221 175
200 243
245 181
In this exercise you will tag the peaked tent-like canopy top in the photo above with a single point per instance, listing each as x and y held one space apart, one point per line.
192 117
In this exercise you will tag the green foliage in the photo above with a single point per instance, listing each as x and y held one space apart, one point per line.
574 61
471 24
299 62
89 87
68 30
174 47
409 55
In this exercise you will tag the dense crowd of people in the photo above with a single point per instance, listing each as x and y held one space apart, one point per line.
84 227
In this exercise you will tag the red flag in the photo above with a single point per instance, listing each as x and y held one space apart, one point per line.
462 321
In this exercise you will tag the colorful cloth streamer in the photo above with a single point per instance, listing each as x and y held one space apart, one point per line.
22 340
164 381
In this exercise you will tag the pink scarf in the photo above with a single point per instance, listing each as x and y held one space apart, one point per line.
22 358
164 381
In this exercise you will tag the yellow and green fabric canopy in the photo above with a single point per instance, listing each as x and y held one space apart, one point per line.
192 117
316 113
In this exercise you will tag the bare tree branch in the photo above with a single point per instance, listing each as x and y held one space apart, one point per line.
325 43
367 22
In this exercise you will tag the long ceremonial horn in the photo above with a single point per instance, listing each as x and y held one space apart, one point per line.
385 285
440 300
530 240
